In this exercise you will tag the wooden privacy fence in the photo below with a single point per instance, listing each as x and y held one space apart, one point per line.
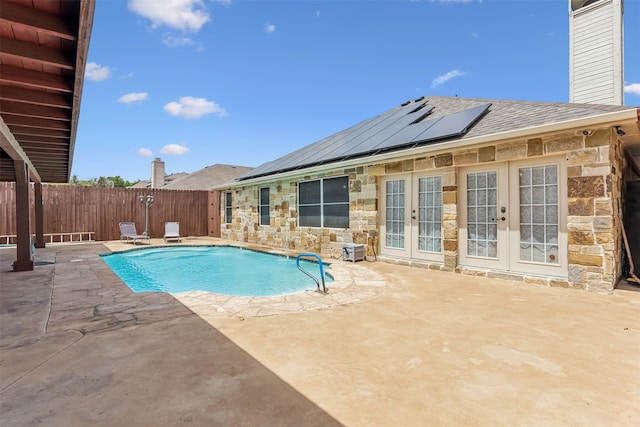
75 209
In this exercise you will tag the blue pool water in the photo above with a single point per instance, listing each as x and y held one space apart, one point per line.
220 269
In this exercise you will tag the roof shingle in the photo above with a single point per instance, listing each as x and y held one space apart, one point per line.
502 116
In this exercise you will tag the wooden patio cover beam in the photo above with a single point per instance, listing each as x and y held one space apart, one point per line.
28 18
9 145
35 79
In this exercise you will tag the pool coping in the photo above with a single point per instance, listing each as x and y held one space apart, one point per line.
352 283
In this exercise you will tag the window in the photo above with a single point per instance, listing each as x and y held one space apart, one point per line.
228 211
263 208
324 203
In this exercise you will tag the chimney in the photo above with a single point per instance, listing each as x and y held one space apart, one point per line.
596 66
157 173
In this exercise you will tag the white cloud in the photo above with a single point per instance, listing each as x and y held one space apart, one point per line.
145 152
446 77
185 15
269 28
132 97
175 149
173 41
96 72
633 88
193 108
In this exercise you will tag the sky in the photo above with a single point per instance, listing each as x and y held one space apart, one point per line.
238 82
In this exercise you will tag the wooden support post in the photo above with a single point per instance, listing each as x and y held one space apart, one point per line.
39 215
24 261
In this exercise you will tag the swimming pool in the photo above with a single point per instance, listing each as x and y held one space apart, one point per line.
219 269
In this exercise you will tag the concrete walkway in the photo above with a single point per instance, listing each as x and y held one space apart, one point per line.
78 348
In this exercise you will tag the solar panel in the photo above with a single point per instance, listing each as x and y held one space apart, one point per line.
335 146
318 152
323 150
365 142
350 139
304 155
406 134
399 127
453 124
389 130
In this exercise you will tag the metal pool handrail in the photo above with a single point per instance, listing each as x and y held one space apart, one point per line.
317 257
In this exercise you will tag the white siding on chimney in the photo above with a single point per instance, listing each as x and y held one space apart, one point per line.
157 173
596 73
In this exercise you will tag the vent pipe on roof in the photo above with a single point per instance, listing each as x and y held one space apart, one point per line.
157 173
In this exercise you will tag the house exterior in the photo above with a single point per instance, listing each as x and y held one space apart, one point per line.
204 179
526 191
146 183
208 177
596 63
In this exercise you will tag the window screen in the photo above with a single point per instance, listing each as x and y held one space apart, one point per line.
324 203
228 211
264 206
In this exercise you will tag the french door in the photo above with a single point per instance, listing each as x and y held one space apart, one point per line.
513 217
411 210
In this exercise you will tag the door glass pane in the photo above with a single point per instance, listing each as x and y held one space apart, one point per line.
394 237
539 214
429 214
551 174
482 196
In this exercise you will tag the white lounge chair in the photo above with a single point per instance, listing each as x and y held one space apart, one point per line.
128 233
171 231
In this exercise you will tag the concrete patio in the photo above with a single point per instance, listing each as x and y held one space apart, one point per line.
395 346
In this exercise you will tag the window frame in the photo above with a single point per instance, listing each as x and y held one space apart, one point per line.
262 207
228 207
322 206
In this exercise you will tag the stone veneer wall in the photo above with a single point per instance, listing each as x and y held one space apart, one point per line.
594 173
595 211
283 231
